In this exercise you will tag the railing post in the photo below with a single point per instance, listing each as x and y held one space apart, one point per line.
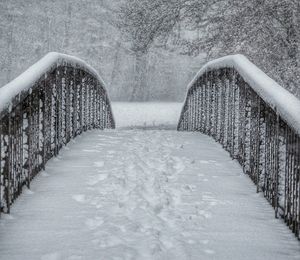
222 82
200 105
218 85
276 161
75 105
297 174
85 103
192 109
81 100
43 123
205 97
30 141
235 123
90 105
230 110
1 174
210 104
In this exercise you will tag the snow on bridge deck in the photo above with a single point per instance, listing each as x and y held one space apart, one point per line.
133 194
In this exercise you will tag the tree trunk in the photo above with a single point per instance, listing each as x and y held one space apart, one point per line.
140 89
10 48
114 73
66 39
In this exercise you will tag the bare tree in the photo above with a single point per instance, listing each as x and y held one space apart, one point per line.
143 22
267 31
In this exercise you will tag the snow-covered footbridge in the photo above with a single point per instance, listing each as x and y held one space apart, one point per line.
147 191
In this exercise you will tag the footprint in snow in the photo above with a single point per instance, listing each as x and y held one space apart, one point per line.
91 151
204 162
51 256
28 192
94 223
79 198
189 187
204 242
99 164
75 257
7 216
177 163
96 179
44 174
209 251
205 214
191 241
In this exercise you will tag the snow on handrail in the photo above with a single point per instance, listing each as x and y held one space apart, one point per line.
54 101
28 78
281 100
256 121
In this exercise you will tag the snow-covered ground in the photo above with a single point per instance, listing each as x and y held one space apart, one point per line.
146 115
134 194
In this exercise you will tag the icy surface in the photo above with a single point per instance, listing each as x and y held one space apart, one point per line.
133 194
286 104
146 115
27 79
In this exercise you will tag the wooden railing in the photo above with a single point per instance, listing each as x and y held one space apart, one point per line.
257 122
55 100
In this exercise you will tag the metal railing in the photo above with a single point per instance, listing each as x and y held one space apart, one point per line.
225 102
57 99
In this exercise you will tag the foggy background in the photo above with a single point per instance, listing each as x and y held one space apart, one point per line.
150 50
30 29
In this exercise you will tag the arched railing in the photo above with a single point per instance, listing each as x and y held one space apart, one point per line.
256 121
55 100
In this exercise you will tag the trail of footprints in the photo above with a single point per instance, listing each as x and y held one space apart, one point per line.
145 190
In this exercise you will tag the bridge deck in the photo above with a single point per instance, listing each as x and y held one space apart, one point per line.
132 194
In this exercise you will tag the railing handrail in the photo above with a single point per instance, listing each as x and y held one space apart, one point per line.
34 73
256 121
278 98
52 102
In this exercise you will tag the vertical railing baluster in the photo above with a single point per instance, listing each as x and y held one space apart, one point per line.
1 165
294 185
202 102
2 183
9 172
192 110
297 155
81 100
85 103
276 166
222 78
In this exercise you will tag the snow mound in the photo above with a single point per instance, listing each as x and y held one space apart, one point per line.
281 100
147 114
27 79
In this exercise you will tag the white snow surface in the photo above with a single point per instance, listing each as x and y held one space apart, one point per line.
143 194
146 114
280 99
27 79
